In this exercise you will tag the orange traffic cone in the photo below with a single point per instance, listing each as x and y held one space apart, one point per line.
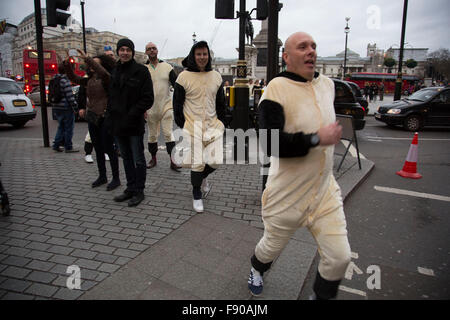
410 167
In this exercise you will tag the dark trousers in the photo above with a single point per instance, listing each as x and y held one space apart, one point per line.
64 133
104 143
132 152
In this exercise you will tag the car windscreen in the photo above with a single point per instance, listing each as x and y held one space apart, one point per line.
9 87
422 95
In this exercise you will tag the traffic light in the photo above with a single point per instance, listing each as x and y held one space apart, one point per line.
224 9
262 10
56 12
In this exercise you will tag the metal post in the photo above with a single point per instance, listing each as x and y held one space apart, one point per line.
84 31
346 30
240 111
398 83
272 41
38 21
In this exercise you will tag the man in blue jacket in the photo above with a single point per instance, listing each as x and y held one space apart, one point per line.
130 96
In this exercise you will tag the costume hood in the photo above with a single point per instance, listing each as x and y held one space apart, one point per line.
189 61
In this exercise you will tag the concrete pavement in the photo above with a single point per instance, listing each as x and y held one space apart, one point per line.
158 250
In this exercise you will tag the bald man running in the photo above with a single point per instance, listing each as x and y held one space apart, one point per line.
301 190
161 114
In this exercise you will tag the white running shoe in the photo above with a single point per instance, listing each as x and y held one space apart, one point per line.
106 157
206 188
255 282
88 158
198 205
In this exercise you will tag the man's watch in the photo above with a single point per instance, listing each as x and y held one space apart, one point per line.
314 140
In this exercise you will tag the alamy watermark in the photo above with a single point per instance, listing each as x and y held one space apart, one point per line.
74 280
374 17
212 146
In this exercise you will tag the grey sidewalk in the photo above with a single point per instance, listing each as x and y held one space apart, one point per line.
159 250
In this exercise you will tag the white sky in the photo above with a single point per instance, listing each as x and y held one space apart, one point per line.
171 23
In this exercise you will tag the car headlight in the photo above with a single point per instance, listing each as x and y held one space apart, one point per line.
394 111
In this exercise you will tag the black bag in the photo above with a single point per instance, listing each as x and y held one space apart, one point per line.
54 90
93 118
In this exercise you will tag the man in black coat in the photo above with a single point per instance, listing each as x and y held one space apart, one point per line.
130 96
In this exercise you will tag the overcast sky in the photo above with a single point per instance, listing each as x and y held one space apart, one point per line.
171 23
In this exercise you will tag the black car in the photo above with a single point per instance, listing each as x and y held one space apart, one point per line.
426 107
359 97
346 103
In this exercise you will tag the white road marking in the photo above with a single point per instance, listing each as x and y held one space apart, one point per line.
425 271
354 291
412 193
354 255
373 140
352 150
420 139
349 272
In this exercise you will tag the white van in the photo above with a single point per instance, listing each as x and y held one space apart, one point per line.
15 107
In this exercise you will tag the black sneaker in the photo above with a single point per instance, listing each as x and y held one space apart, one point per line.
136 199
99 182
113 184
124 196
72 150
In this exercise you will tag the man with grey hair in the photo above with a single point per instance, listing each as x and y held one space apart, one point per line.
301 190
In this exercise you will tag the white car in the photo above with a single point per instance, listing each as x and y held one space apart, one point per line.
15 107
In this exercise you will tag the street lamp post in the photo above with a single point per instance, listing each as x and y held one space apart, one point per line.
82 20
398 83
346 30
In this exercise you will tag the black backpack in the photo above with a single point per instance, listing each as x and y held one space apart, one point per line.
54 90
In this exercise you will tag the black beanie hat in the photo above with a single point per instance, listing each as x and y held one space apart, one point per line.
125 43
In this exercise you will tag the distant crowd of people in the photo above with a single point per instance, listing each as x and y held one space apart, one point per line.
373 90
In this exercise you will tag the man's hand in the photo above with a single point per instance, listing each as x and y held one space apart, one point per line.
83 55
330 134
82 113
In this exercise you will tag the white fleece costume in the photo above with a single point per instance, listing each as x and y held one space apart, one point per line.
161 113
201 127
301 191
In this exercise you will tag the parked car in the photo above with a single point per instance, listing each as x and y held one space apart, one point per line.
346 103
359 97
21 84
426 107
15 107
35 95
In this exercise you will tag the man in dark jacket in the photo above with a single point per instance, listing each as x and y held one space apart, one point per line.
130 96
64 111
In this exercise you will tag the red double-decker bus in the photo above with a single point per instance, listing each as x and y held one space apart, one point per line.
31 68
77 67
389 79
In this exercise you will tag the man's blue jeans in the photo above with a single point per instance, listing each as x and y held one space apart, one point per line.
64 134
132 152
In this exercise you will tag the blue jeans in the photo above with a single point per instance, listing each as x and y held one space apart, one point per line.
64 134
132 152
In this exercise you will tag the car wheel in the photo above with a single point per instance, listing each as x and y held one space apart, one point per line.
413 123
